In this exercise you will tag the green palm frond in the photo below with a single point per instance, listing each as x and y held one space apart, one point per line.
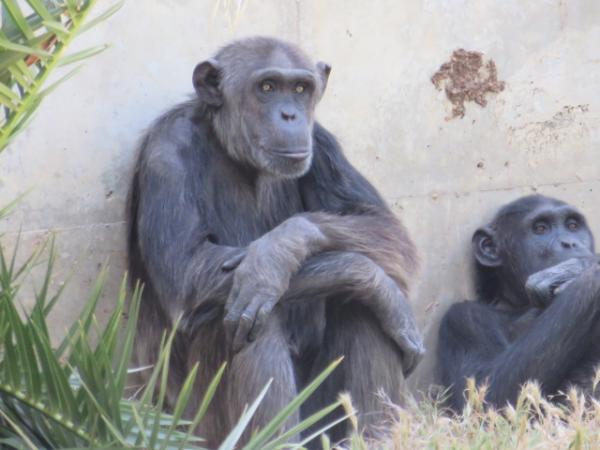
32 46
73 395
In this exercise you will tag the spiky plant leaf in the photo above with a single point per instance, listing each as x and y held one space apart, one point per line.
32 46
72 396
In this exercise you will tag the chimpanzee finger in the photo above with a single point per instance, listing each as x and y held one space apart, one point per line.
261 319
412 353
243 328
234 308
409 363
232 298
413 339
234 261
245 323
230 325
410 342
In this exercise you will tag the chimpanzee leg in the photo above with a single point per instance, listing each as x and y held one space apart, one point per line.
372 363
583 374
246 375
268 357
208 350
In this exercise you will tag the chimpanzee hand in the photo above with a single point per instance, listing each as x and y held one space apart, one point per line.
394 312
258 284
543 286
263 275
234 260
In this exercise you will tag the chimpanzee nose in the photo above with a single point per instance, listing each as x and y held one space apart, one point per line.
288 116
568 244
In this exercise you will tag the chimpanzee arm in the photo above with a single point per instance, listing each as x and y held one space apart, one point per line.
475 343
345 214
351 213
471 334
543 286
358 278
175 246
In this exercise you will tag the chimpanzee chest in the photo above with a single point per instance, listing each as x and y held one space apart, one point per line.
243 213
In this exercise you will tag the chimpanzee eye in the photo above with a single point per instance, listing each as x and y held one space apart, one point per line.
266 86
540 227
300 88
572 225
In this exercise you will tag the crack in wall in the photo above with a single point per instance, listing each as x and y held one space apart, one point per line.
434 195
63 228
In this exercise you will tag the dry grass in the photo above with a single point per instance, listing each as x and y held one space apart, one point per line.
534 423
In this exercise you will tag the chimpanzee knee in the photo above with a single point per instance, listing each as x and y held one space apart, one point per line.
247 373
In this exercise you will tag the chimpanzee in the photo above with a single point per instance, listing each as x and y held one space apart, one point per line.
248 222
536 316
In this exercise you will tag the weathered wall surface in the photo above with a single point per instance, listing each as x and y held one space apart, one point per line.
443 177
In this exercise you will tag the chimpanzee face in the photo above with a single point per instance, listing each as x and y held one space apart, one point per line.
263 96
545 236
532 234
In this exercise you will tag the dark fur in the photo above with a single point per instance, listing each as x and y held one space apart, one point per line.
320 264
537 311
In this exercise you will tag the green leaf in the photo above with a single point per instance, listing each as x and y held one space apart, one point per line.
84 321
16 14
72 7
7 102
102 17
8 57
19 431
28 36
27 50
60 30
5 210
234 436
62 79
124 359
87 53
41 9
208 396
320 432
164 378
10 94
306 424
20 72
258 441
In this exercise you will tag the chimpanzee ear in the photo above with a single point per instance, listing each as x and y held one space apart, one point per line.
206 79
324 70
485 247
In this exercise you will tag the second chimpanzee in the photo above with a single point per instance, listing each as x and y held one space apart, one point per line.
537 314
248 222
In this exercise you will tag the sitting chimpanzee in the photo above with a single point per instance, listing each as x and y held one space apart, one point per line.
247 221
538 306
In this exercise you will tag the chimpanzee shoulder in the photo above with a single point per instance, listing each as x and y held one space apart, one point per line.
332 183
467 322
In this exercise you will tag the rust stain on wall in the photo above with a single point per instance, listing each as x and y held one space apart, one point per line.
467 77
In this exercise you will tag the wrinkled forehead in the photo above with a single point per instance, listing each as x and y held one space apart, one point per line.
530 208
550 210
281 59
238 64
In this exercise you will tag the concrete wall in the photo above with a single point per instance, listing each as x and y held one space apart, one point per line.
443 176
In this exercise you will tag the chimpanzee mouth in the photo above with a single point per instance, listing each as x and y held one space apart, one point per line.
296 154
